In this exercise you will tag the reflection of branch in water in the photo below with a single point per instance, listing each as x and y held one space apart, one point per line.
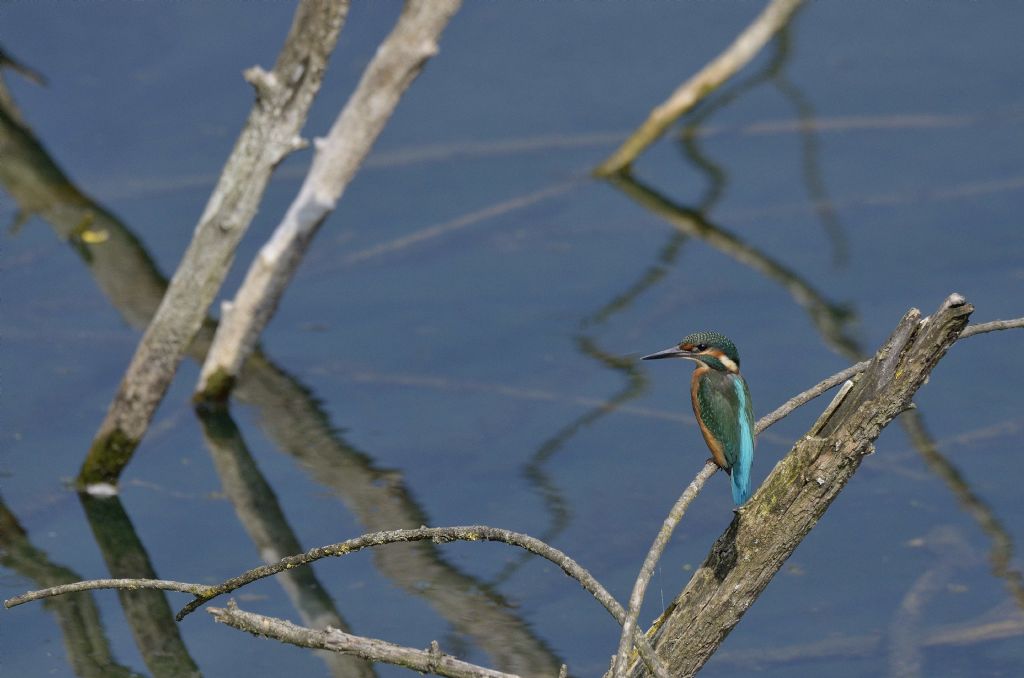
811 168
831 320
463 221
258 510
34 76
774 71
534 469
695 129
149 616
653 275
1001 552
291 415
947 552
379 499
77 615
636 383
999 623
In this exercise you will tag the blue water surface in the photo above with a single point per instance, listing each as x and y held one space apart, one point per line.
459 344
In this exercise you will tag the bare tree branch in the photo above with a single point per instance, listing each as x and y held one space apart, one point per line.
744 48
431 661
438 535
283 98
853 370
982 328
636 598
800 489
399 59
810 394
93 584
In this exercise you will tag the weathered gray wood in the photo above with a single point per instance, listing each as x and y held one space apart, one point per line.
799 491
430 661
399 59
744 48
283 98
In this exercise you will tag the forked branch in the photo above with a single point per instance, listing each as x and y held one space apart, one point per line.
800 489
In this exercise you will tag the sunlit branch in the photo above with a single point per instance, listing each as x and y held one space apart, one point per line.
744 48
438 535
431 661
636 598
94 584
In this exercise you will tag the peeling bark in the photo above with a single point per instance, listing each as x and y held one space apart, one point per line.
799 490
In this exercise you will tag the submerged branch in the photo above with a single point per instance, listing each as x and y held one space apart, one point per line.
744 48
283 98
397 62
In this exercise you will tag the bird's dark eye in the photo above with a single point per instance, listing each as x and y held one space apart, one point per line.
702 347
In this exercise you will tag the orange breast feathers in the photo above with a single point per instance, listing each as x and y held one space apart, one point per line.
716 448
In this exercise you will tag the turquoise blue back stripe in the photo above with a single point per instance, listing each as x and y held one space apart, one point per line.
741 469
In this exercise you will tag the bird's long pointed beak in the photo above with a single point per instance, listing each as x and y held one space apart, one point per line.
673 352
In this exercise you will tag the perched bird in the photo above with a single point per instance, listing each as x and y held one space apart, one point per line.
721 403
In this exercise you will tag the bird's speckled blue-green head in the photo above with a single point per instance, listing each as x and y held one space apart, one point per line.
710 348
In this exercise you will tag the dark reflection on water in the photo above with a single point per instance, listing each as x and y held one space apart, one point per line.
830 321
260 513
291 417
934 566
77 616
148 613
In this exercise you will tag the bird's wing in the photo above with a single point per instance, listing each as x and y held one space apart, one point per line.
727 413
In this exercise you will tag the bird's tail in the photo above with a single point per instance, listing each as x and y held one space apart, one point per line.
739 478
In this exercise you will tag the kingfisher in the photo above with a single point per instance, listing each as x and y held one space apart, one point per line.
721 403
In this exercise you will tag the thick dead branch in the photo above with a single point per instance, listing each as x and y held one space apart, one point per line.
283 98
398 61
800 489
739 53
430 662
